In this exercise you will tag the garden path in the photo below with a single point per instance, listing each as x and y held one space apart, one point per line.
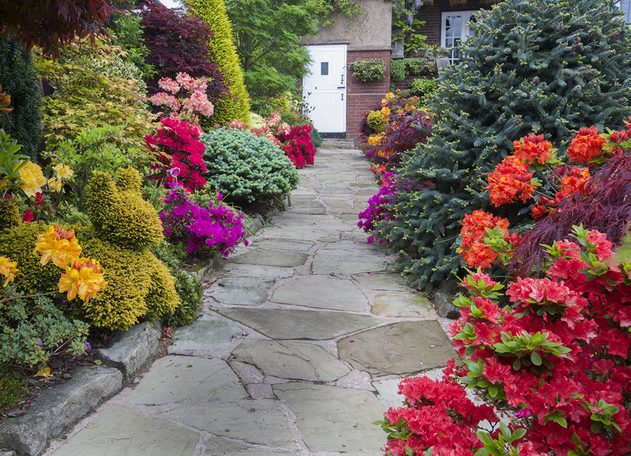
304 338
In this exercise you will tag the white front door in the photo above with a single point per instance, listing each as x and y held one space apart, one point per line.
324 88
454 31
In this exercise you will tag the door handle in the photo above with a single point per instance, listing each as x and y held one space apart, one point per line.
341 87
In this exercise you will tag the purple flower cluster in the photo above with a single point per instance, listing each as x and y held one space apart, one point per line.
378 208
201 225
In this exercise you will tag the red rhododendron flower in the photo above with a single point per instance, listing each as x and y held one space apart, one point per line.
180 152
586 146
533 149
574 181
28 216
510 180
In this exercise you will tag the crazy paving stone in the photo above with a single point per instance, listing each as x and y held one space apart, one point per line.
184 379
398 348
300 324
291 360
334 419
321 291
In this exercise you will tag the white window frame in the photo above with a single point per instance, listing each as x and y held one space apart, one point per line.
625 6
466 16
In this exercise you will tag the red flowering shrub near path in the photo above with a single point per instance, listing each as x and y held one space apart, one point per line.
548 349
180 153
298 145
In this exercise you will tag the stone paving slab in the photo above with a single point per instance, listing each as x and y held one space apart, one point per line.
205 337
260 421
271 258
197 379
282 324
334 419
321 291
398 348
341 262
261 272
401 304
118 431
291 360
387 281
217 446
245 291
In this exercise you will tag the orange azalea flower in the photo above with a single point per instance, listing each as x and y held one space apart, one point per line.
58 245
533 148
574 181
375 140
587 146
473 250
510 180
84 278
8 269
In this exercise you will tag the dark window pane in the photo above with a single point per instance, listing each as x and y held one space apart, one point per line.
324 68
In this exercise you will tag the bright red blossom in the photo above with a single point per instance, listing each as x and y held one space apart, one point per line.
586 146
510 181
533 149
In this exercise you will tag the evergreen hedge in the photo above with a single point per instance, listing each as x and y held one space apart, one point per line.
548 66
18 79
237 104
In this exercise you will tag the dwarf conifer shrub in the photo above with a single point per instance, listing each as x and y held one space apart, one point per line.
237 104
247 168
548 66
18 79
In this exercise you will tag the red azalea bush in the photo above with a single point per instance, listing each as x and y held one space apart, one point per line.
548 348
298 145
294 140
180 154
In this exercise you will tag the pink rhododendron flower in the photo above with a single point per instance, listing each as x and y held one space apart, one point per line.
169 85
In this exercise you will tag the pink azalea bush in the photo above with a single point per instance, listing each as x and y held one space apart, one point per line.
183 98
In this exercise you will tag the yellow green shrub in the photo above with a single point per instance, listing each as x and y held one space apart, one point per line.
122 302
162 297
118 212
9 214
18 243
236 105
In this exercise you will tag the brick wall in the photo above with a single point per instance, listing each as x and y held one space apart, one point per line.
431 15
362 97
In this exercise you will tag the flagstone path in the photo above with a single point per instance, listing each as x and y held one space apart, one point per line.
304 337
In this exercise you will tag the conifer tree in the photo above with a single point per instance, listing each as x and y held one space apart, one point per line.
237 104
545 66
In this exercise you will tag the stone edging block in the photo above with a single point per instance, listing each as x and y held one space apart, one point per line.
59 408
134 350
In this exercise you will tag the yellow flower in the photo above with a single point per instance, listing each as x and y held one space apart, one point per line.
32 178
54 184
8 269
84 279
389 96
63 171
385 112
375 140
59 246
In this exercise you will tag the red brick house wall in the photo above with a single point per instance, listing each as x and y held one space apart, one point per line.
362 97
431 15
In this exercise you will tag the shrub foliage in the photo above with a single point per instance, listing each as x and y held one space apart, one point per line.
568 68
237 104
19 81
246 168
